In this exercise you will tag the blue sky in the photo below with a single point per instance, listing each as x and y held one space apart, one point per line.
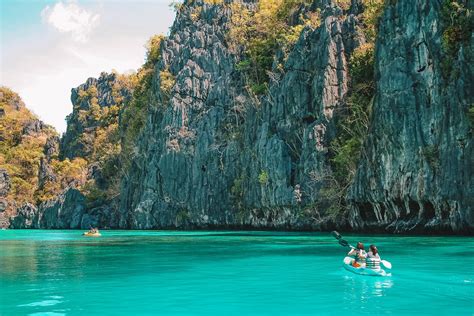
48 46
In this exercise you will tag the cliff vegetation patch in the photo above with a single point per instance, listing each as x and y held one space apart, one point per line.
275 25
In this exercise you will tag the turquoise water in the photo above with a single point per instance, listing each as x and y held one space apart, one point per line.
228 273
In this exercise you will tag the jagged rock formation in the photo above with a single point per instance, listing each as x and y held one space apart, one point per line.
295 126
212 156
46 173
92 101
26 217
62 169
5 185
177 170
64 212
22 137
69 210
417 172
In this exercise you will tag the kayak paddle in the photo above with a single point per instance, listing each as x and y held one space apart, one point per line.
341 241
344 243
386 264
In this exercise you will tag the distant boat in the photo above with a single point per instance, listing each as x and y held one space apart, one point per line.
91 234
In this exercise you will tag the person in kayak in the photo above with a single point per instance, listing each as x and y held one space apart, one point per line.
359 255
373 258
93 230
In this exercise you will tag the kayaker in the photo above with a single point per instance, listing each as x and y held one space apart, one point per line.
93 230
373 258
359 255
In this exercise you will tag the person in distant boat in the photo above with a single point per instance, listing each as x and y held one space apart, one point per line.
93 230
359 255
373 258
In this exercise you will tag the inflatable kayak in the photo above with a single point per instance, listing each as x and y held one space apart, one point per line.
89 234
362 270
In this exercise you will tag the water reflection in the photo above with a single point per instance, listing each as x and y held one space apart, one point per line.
364 288
41 303
176 273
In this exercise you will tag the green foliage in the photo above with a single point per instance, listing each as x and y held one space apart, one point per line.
347 152
93 134
90 121
94 137
243 65
106 135
153 50
259 88
262 32
94 195
196 13
343 4
372 11
176 5
458 25
237 189
333 197
242 214
361 66
134 114
431 155
263 177
20 154
167 82
182 217
353 119
470 115
67 173
214 2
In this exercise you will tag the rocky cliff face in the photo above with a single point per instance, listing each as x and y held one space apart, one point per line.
69 210
177 176
75 162
5 185
92 102
212 155
417 170
22 137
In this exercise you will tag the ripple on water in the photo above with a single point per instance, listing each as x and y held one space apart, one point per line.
42 303
227 274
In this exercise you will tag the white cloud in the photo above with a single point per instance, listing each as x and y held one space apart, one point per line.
43 64
71 18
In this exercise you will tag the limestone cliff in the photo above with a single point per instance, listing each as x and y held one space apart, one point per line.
215 155
96 104
71 183
417 170
22 137
361 122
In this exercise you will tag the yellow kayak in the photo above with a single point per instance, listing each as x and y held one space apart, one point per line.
89 234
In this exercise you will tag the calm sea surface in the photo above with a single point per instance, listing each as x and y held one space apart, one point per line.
228 273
